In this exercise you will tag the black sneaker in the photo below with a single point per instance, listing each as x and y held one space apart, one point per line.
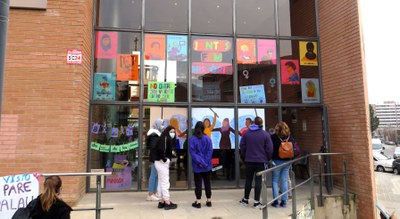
258 205
161 204
170 206
208 203
196 205
244 202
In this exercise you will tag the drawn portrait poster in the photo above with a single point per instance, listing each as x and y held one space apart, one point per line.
290 73
246 51
266 52
106 45
154 47
308 53
310 90
104 86
127 67
177 46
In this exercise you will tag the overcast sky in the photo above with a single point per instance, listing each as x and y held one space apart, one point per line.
381 25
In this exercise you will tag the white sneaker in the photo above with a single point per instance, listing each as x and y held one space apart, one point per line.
152 198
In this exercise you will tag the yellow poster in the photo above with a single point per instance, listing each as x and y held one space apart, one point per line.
308 53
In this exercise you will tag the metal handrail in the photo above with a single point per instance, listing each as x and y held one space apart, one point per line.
98 208
310 179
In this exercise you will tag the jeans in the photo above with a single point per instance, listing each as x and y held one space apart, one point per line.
198 179
153 179
280 175
163 178
251 170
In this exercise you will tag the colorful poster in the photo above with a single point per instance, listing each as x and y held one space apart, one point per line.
252 94
310 90
104 86
177 46
266 51
163 92
290 73
127 67
154 47
106 45
246 51
212 55
308 53
16 192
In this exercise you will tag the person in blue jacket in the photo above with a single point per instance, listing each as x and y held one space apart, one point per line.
201 151
256 150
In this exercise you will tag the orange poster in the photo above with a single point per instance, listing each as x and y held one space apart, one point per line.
135 67
154 47
127 67
246 51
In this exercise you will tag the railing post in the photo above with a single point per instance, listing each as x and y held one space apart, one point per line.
98 196
294 203
346 197
320 200
264 196
312 200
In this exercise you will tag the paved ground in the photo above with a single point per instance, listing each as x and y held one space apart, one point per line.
388 191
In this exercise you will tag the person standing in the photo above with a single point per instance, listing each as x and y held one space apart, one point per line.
201 151
256 151
162 160
153 135
282 133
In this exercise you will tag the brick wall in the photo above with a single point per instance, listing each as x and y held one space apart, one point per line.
345 94
45 101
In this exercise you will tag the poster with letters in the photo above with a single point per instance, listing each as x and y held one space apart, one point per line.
310 90
177 46
127 67
308 53
254 94
106 45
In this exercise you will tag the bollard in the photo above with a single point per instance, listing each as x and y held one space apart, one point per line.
294 204
320 201
312 200
264 196
98 196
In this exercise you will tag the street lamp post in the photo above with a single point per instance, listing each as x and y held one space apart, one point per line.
4 11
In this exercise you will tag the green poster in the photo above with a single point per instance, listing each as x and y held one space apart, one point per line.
104 148
115 148
133 145
163 92
95 146
125 147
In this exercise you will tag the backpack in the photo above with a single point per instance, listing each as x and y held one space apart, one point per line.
25 213
286 149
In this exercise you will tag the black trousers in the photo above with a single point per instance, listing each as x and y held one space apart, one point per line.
251 170
198 179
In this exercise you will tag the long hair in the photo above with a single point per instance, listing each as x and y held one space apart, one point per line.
199 129
282 129
166 137
52 186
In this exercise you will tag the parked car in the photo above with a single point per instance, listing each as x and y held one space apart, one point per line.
390 143
382 163
396 153
396 166
377 145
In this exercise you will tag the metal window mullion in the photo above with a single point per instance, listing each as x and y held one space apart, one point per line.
189 93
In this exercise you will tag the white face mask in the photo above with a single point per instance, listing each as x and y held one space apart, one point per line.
172 135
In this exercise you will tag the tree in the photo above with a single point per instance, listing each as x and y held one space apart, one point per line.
374 121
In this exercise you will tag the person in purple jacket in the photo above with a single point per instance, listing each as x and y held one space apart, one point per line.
256 150
201 151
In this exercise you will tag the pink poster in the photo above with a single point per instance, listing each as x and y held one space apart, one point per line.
106 45
290 72
266 52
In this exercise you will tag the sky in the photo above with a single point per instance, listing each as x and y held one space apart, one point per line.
381 27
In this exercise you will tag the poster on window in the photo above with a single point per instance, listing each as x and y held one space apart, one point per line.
308 53
177 46
104 86
106 45
310 90
246 51
254 94
127 67
154 47
212 55
290 73
162 92
266 52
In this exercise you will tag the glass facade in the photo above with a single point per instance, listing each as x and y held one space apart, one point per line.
183 61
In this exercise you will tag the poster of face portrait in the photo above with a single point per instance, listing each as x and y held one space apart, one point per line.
177 48
246 51
266 51
106 45
104 86
290 73
154 47
310 90
308 53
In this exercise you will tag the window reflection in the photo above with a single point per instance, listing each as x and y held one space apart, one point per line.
255 17
212 16
170 15
297 18
120 13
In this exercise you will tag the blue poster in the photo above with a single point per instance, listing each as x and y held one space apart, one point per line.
177 48
254 94
104 86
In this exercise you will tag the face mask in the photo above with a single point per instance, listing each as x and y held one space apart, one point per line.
172 135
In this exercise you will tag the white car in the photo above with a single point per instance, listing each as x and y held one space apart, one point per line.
382 163
396 153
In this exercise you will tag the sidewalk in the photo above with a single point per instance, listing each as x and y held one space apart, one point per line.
226 205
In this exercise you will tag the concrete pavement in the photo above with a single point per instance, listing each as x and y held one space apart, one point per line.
388 191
